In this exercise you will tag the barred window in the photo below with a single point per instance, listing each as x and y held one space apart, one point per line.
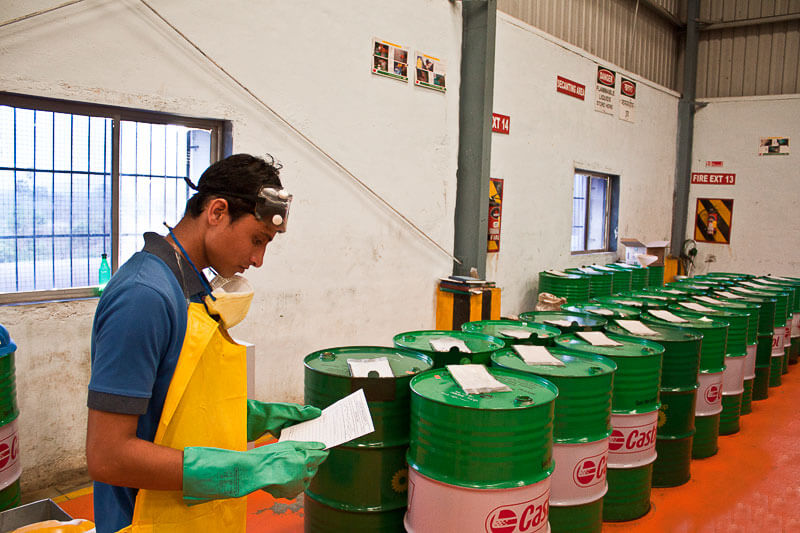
80 180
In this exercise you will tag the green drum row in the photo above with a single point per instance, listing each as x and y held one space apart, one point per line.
565 321
639 275
600 283
573 287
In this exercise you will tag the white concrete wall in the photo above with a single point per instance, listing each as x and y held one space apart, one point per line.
552 134
348 272
765 231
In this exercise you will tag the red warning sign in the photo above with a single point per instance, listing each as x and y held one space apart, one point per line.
707 178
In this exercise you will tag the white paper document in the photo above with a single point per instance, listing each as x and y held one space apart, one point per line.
666 315
361 368
697 307
562 323
597 338
730 295
750 284
708 300
340 422
557 273
601 311
630 303
636 327
671 291
604 268
475 379
537 355
443 344
515 333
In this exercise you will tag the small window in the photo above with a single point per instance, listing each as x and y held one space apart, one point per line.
594 212
81 180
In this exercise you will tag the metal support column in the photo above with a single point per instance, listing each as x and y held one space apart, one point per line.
683 167
474 139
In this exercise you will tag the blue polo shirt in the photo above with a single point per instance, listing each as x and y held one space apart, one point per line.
137 335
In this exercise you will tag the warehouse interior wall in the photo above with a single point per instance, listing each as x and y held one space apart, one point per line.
765 224
349 271
552 135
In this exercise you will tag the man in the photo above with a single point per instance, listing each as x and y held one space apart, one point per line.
169 418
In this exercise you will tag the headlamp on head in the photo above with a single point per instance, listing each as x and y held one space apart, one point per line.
272 205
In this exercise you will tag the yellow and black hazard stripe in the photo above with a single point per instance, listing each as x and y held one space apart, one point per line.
456 308
722 211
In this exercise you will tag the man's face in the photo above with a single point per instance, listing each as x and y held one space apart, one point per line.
233 247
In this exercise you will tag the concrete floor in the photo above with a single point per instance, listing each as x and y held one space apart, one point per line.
751 485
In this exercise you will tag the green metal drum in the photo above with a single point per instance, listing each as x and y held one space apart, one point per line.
747 395
638 362
793 350
583 407
9 478
689 287
480 346
364 483
731 410
621 279
514 331
705 437
483 441
573 287
674 295
631 498
600 283
782 309
732 275
736 343
714 331
655 277
581 429
639 302
639 274
677 397
565 321
586 518
761 381
607 311
681 352
675 456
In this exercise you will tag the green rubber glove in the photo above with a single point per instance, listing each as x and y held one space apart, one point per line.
283 469
273 417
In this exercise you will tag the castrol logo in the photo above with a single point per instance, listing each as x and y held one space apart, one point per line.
605 76
8 452
776 341
525 517
628 88
712 393
590 471
616 440
632 440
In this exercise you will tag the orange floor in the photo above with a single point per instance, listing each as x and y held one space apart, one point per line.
751 485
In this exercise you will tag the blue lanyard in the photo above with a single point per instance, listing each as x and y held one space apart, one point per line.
203 280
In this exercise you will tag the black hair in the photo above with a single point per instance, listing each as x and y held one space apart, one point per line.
239 175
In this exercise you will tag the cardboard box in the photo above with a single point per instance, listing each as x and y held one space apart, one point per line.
634 247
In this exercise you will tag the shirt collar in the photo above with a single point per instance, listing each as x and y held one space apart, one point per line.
159 246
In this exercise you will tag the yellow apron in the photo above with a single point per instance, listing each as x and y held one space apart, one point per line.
206 405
